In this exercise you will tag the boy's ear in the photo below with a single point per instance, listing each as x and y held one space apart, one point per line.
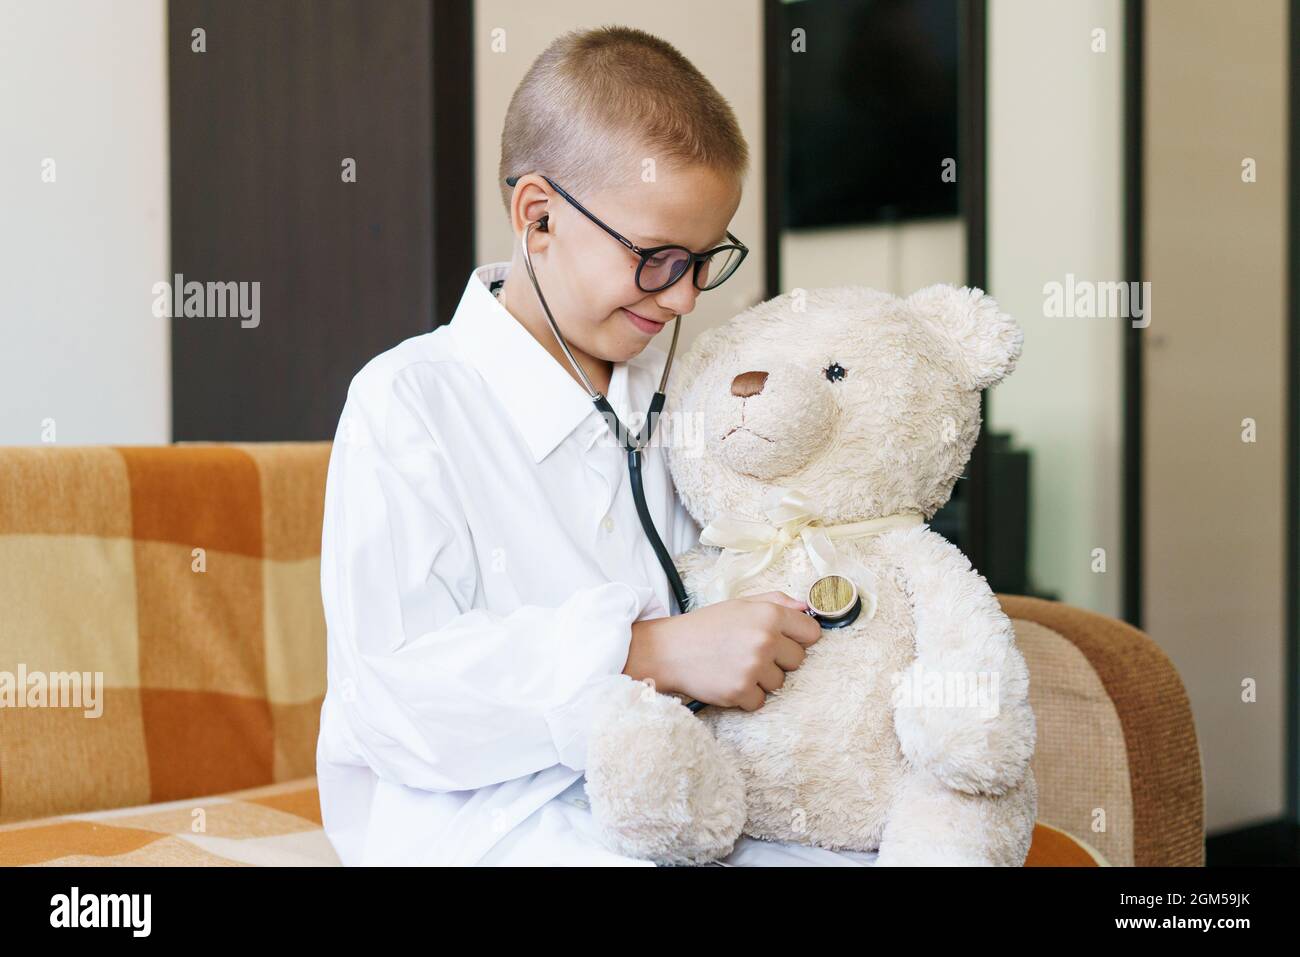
982 341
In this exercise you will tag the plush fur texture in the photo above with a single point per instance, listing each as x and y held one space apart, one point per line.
909 732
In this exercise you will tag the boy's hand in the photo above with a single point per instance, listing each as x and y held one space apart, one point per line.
729 654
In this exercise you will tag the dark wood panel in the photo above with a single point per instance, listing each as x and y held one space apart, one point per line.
260 126
1134 21
972 178
1292 584
776 47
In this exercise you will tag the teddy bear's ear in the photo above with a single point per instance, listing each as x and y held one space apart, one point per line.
983 341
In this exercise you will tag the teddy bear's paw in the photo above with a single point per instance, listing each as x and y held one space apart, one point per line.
976 749
661 787
931 825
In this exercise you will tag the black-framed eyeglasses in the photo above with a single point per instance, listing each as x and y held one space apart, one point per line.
661 266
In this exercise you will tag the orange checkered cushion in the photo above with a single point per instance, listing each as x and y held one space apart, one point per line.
276 825
188 577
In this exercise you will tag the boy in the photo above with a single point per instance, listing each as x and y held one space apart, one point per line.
484 574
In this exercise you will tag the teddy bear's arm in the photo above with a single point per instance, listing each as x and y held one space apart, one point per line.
694 566
979 743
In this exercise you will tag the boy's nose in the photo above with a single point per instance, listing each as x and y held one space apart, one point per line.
748 383
679 298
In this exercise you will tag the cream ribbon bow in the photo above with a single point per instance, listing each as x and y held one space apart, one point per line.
748 546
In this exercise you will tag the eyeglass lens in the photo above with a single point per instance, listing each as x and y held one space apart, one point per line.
666 266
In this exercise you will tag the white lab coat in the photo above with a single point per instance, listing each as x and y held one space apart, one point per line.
481 567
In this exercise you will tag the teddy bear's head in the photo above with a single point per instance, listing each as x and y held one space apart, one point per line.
866 402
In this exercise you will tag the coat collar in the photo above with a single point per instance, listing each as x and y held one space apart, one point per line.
543 400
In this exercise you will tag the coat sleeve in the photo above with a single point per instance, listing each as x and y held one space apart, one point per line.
436 694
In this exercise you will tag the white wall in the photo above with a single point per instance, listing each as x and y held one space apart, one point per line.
1215 353
84 83
1055 201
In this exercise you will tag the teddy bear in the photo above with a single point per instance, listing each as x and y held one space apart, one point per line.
827 427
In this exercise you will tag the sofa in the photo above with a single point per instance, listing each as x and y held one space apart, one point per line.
162 634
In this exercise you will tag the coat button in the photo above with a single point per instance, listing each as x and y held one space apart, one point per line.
608 524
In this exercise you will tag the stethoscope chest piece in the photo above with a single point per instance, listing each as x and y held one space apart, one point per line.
834 601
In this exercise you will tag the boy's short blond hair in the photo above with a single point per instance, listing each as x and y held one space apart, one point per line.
596 104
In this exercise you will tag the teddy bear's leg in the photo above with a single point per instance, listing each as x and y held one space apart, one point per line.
930 824
661 786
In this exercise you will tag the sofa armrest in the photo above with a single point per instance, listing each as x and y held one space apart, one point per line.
1116 737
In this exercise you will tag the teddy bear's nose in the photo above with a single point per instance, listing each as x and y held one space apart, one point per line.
748 383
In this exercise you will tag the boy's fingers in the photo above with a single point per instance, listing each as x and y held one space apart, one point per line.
778 598
802 627
789 654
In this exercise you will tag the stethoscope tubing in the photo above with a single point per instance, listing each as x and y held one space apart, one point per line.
633 446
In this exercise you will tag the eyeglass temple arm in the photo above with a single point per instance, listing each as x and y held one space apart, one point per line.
511 180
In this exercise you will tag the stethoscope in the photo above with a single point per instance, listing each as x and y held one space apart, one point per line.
833 599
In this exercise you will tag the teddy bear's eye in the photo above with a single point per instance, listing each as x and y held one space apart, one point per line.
835 372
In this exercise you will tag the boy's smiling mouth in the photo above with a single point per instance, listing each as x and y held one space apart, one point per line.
648 326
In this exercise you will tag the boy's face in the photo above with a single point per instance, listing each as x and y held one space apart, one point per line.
589 278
